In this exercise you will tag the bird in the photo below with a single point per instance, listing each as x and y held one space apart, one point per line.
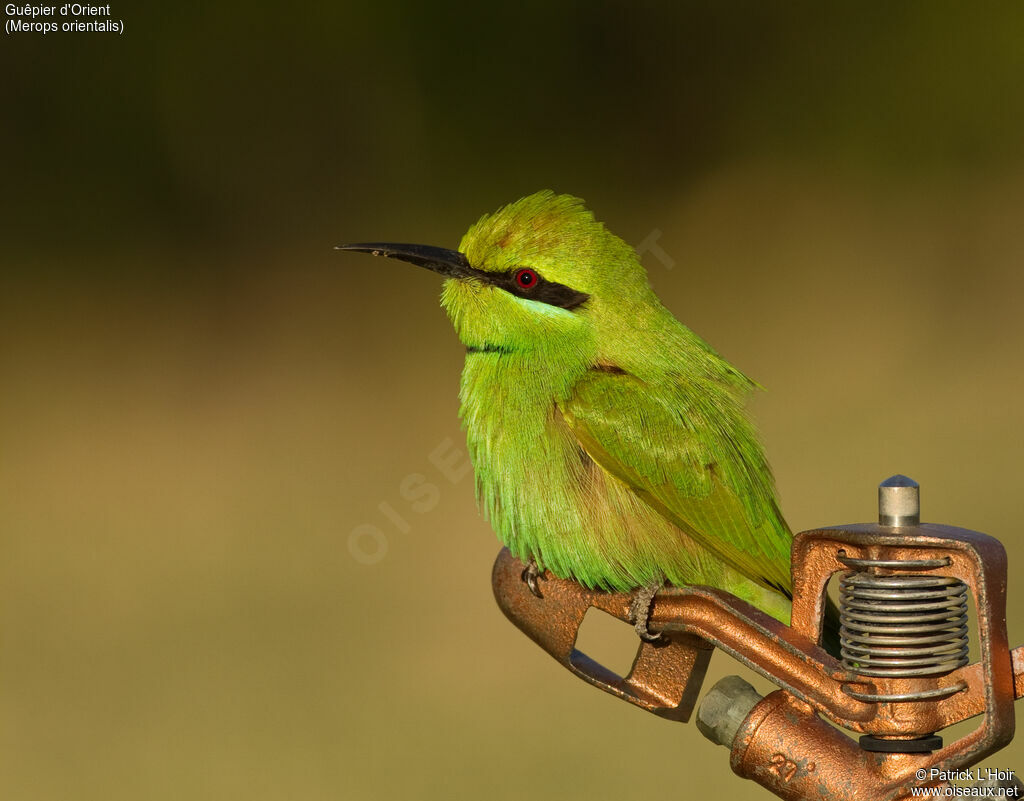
610 444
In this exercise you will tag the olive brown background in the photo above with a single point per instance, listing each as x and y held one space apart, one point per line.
237 558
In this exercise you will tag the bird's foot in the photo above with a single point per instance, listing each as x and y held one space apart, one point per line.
640 611
530 575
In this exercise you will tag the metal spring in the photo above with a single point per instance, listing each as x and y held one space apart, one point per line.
901 626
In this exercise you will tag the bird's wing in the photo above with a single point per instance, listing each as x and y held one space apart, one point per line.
689 452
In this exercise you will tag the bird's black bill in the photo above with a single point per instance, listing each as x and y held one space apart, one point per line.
452 264
441 260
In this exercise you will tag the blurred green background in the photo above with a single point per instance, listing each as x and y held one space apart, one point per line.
203 408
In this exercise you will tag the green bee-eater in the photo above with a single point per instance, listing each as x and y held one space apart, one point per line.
609 441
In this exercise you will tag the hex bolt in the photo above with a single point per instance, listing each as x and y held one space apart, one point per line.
724 708
899 502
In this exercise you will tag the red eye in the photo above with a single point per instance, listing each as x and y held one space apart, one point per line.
526 278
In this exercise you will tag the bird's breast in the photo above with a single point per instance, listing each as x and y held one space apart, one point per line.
538 486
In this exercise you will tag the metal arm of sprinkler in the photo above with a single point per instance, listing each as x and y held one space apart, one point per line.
902 677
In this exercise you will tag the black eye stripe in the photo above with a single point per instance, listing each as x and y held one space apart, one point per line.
550 292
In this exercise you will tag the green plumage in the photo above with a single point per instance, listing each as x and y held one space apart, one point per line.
609 441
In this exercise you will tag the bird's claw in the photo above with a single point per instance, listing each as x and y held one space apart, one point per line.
530 576
640 613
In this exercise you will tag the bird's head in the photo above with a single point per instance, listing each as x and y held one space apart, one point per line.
538 273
